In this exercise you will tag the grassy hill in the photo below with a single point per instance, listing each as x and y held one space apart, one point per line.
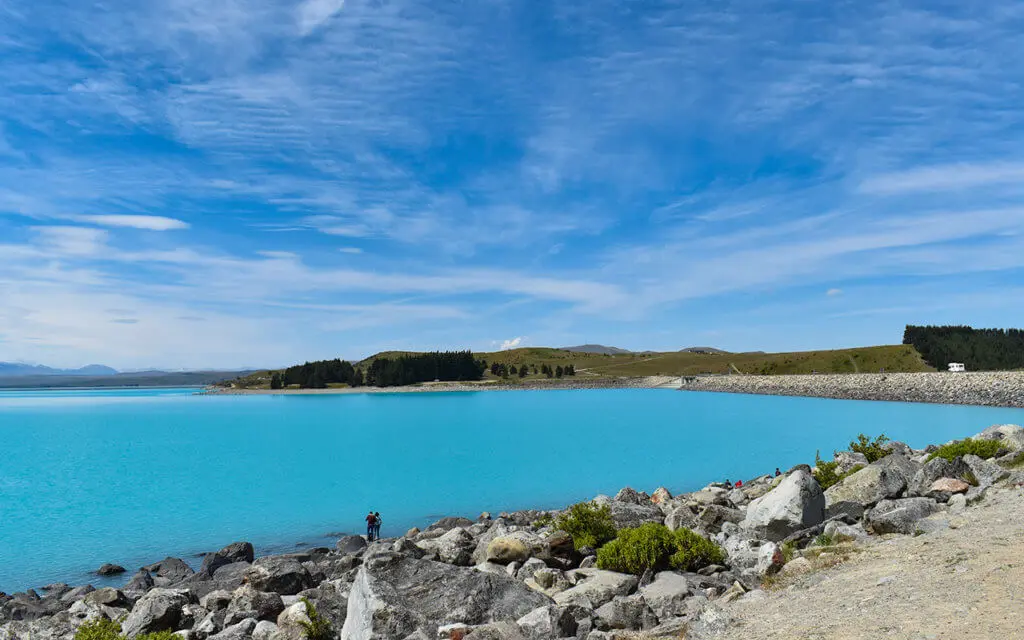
891 358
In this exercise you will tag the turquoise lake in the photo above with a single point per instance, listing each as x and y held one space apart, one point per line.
131 476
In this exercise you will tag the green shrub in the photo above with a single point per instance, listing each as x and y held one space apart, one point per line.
99 629
872 450
824 540
980 448
318 627
649 546
588 524
694 551
158 635
653 546
545 520
825 472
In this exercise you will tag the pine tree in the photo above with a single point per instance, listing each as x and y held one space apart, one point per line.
559 371
523 371
275 381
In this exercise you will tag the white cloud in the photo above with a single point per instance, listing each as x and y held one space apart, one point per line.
834 292
151 223
80 242
352 250
510 344
313 13
949 177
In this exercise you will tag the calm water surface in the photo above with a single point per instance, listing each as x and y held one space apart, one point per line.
130 476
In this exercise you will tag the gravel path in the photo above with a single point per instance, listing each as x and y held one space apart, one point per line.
995 389
963 583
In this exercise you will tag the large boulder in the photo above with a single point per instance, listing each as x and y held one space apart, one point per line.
625 612
986 472
290 622
233 553
174 569
667 594
158 610
899 464
1009 435
350 545
140 582
899 516
247 602
682 517
713 516
932 470
797 503
279 574
395 596
456 547
867 486
518 546
631 496
109 569
550 621
595 587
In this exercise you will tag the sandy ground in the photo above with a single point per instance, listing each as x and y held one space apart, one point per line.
961 583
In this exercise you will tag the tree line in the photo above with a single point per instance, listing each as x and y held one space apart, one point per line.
503 370
317 375
978 349
448 366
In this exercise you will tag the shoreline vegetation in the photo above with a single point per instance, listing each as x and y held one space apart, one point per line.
632 566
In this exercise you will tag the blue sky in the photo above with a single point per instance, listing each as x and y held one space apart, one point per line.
219 183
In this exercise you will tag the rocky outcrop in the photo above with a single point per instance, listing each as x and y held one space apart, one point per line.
279 574
595 587
158 610
394 596
867 486
174 569
797 503
899 516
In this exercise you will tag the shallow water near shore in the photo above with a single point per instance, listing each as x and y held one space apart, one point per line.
131 476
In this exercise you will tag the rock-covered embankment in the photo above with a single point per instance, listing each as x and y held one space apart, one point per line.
994 389
517 577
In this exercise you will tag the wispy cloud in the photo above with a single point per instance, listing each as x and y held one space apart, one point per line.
510 344
152 223
944 178
313 13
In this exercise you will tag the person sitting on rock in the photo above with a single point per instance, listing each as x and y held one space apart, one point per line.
728 483
739 483
376 525
777 472
371 523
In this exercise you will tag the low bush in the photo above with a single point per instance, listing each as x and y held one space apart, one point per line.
318 627
99 629
653 546
873 450
158 635
588 524
694 551
980 448
825 472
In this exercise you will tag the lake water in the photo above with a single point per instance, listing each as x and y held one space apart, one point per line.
131 476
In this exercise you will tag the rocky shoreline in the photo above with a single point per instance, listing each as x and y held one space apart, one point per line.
518 576
992 389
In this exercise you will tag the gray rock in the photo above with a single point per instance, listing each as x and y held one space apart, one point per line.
867 486
110 570
394 596
240 631
330 600
529 568
1009 435
140 582
899 516
174 569
632 496
211 624
627 515
351 545
216 600
596 587
987 472
682 517
842 531
266 630
902 448
278 574
625 612
709 623
848 460
931 471
290 622
900 464
456 547
446 524
76 594
233 553
106 597
550 621
247 602
713 516
769 559
852 510
158 610
667 595
797 503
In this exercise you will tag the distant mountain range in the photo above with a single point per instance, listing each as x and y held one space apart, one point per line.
21 369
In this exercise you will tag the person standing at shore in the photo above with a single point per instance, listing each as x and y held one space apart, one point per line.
376 525
371 523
